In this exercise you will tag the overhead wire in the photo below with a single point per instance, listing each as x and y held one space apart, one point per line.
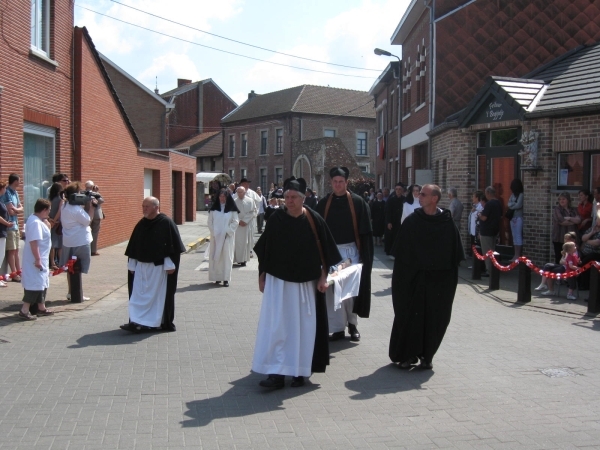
240 42
221 50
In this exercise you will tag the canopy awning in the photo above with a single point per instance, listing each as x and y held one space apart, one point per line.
205 177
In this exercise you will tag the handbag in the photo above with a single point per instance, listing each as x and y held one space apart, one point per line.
58 230
509 213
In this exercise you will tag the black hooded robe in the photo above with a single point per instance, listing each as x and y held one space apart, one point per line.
151 241
287 250
428 252
339 220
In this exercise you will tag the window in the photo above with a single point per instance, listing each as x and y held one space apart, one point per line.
570 169
231 145
406 89
263 181
361 143
279 140
263 142
40 26
38 163
481 139
501 138
381 122
328 132
243 173
244 151
420 75
364 167
232 174
279 176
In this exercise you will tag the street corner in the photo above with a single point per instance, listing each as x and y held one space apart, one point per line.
197 244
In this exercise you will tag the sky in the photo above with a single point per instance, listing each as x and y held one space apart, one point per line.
335 31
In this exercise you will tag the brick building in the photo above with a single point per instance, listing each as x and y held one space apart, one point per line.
199 108
60 113
300 131
35 94
388 126
450 48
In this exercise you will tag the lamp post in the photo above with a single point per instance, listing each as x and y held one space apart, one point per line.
381 52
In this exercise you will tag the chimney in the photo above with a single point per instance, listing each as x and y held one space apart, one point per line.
183 82
251 95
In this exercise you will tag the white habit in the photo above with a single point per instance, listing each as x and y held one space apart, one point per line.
147 301
244 238
340 317
222 226
286 347
408 209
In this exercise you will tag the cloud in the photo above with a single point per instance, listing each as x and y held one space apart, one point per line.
348 38
112 36
168 68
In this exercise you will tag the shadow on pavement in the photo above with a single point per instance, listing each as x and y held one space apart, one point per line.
199 287
383 293
243 399
112 337
389 379
341 345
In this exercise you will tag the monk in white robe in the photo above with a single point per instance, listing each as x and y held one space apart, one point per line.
244 240
222 222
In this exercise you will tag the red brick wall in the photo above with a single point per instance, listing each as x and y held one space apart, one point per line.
33 86
183 121
107 153
145 112
215 107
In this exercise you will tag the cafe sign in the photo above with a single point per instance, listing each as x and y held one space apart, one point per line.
495 109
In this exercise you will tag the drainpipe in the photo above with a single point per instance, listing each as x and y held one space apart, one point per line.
430 4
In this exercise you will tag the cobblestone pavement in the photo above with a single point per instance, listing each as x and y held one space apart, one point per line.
76 381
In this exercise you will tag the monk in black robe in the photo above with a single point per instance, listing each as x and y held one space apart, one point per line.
353 235
155 241
393 213
292 337
424 281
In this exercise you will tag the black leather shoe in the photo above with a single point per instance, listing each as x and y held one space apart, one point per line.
243 264
354 334
226 283
409 363
273 382
297 382
337 336
425 365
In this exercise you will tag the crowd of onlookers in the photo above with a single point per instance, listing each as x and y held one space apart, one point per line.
64 225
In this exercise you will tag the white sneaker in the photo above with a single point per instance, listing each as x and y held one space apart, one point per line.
85 299
541 287
548 292
571 297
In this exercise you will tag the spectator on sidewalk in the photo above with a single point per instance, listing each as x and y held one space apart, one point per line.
393 214
562 267
95 213
36 257
564 219
584 209
13 235
77 234
154 252
223 222
456 207
489 226
56 197
412 201
5 223
515 204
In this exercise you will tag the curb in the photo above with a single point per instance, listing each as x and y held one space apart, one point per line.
197 243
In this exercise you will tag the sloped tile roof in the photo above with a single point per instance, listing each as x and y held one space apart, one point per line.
181 89
196 139
573 82
203 144
306 99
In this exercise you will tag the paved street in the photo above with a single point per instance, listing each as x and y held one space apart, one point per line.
77 381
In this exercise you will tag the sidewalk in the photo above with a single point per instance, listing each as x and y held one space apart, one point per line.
107 274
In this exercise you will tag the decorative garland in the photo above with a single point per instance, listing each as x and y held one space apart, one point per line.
536 269
67 267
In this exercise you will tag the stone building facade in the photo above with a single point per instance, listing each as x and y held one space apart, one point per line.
265 139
